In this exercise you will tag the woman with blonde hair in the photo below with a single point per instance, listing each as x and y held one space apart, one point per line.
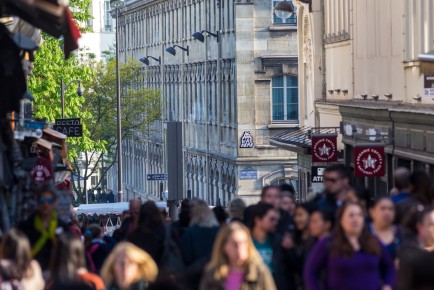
235 264
128 268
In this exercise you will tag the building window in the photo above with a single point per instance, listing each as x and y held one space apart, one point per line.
108 21
291 20
285 98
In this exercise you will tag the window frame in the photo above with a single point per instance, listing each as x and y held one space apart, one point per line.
285 98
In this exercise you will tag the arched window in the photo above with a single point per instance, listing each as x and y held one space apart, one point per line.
285 98
291 20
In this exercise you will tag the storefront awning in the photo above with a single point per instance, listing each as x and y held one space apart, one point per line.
298 137
427 62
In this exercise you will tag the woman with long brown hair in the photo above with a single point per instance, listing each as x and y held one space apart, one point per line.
352 257
16 264
235 263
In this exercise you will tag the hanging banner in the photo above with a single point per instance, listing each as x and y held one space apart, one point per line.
324 148
369 160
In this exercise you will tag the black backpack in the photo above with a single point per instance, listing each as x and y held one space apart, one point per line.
171 260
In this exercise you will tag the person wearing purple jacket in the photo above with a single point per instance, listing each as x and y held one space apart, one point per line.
352 258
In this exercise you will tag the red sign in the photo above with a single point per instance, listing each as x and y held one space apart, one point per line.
324 148
369 161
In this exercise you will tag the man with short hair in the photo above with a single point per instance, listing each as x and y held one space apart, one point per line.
44 225
336 182
402 184
276 249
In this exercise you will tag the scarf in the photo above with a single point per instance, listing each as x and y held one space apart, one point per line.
46 234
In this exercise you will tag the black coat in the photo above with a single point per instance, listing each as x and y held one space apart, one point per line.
151 242
44 256
284 264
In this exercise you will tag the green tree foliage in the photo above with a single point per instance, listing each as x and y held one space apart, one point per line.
97 107
140 107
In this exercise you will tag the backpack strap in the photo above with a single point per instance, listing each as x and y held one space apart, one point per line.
89 254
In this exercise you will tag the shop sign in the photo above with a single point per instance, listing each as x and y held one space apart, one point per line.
69 127
369 160
324 148
247 140
43 171
429 86
317 174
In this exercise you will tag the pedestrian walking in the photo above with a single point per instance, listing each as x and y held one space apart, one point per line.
181 225
17 269
235 264
352 257
43 226
382 215
129 224
129 268
68 265
220 214
198 241
320 226
149 233
416 258
97 249
236 210
276 250
420 194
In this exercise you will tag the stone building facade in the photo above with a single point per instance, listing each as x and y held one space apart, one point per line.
230 92
372 71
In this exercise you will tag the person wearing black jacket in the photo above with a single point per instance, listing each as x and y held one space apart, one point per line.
44 225
276 249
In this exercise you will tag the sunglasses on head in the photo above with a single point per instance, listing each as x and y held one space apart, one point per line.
49 200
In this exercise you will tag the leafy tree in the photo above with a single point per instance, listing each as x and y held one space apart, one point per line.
97 107
140 107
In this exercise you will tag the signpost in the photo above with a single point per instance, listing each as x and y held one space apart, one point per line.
69 127
157 177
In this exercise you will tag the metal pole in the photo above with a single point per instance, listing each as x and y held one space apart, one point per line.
62 97
119 115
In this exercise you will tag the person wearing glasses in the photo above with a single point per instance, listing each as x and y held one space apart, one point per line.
336 187
44 225
276 249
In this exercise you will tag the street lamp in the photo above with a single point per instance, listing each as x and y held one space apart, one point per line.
117 4
284 9
199 35
172 50
63 89
145 60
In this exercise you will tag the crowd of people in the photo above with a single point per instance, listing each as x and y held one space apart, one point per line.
340 239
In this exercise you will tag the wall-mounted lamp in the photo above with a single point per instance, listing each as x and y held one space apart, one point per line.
338 91
345 92
364 96
331 92
172 50
145 60
199 35
284 9
375 97
417 98
389 96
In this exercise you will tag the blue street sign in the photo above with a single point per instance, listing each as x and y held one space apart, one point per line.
157 177
248 174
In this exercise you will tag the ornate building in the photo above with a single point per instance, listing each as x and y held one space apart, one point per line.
231 91
368 69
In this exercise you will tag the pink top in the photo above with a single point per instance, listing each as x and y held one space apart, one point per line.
234 280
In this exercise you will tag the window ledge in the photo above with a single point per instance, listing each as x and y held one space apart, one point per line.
284 27
283 126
